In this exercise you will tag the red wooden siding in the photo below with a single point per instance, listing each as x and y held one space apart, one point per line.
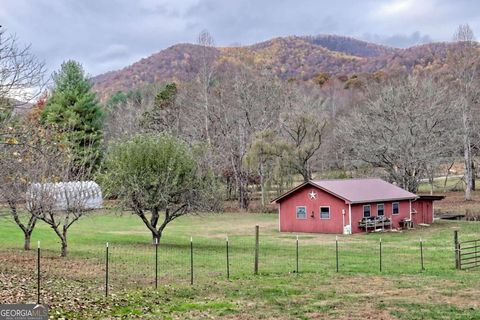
420 210
404 213
313 223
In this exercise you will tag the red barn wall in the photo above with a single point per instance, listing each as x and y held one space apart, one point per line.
423 211
404 213
288 217
289 222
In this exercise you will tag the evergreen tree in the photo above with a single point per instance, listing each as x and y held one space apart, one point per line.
164 114
75 111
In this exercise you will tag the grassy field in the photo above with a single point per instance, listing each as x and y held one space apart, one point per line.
74 287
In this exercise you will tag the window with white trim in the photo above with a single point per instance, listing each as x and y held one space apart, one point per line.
302 212
366 211
380 209
324 212
395 208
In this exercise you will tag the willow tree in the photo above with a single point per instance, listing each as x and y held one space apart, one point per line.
261 158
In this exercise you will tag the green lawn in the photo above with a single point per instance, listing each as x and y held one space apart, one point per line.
359 290
453 184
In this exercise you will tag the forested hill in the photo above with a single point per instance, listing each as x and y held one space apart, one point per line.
300 58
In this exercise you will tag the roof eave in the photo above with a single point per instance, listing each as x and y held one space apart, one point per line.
431 197
276 200
384 200
289 192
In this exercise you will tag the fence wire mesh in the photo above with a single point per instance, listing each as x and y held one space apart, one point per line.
143 265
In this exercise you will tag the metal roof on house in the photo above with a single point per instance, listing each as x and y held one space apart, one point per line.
358 190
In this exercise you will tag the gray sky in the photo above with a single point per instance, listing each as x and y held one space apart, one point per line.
106 35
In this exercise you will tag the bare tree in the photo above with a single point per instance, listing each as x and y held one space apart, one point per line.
21 76
123 111
56 194
303 127
151 109
22 79
32 155
207 70
15 161
401 127
464 34
245 104
464 62
60 205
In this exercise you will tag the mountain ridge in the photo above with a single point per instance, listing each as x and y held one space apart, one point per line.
299 57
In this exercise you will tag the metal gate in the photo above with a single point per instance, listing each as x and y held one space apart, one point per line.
467 254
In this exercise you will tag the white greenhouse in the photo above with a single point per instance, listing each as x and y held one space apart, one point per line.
84 195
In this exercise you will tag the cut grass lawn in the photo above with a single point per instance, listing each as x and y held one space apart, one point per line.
74 286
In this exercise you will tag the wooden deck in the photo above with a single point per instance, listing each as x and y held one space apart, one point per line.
375 223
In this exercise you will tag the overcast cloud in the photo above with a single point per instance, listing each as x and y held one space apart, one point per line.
106 35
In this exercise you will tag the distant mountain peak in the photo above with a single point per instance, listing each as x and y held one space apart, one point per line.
299 57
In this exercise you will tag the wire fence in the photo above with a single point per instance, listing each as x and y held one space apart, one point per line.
111 268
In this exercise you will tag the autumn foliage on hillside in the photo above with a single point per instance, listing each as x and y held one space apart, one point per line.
290 58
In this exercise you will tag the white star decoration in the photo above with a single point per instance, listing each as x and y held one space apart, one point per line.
313 195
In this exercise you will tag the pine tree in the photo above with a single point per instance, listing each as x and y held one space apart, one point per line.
164 114
73 108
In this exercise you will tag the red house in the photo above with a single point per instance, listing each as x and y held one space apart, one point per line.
351 206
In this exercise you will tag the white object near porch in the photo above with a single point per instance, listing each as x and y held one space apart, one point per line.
62 196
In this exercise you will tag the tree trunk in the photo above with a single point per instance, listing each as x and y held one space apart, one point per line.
431 181
473 175
206 119
229 188
242 196
262 183
468 173
242 188
305 175
467 152
27 229
63 252
63 238
446 177
156 235
26 243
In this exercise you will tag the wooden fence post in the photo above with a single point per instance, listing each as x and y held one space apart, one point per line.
457 249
